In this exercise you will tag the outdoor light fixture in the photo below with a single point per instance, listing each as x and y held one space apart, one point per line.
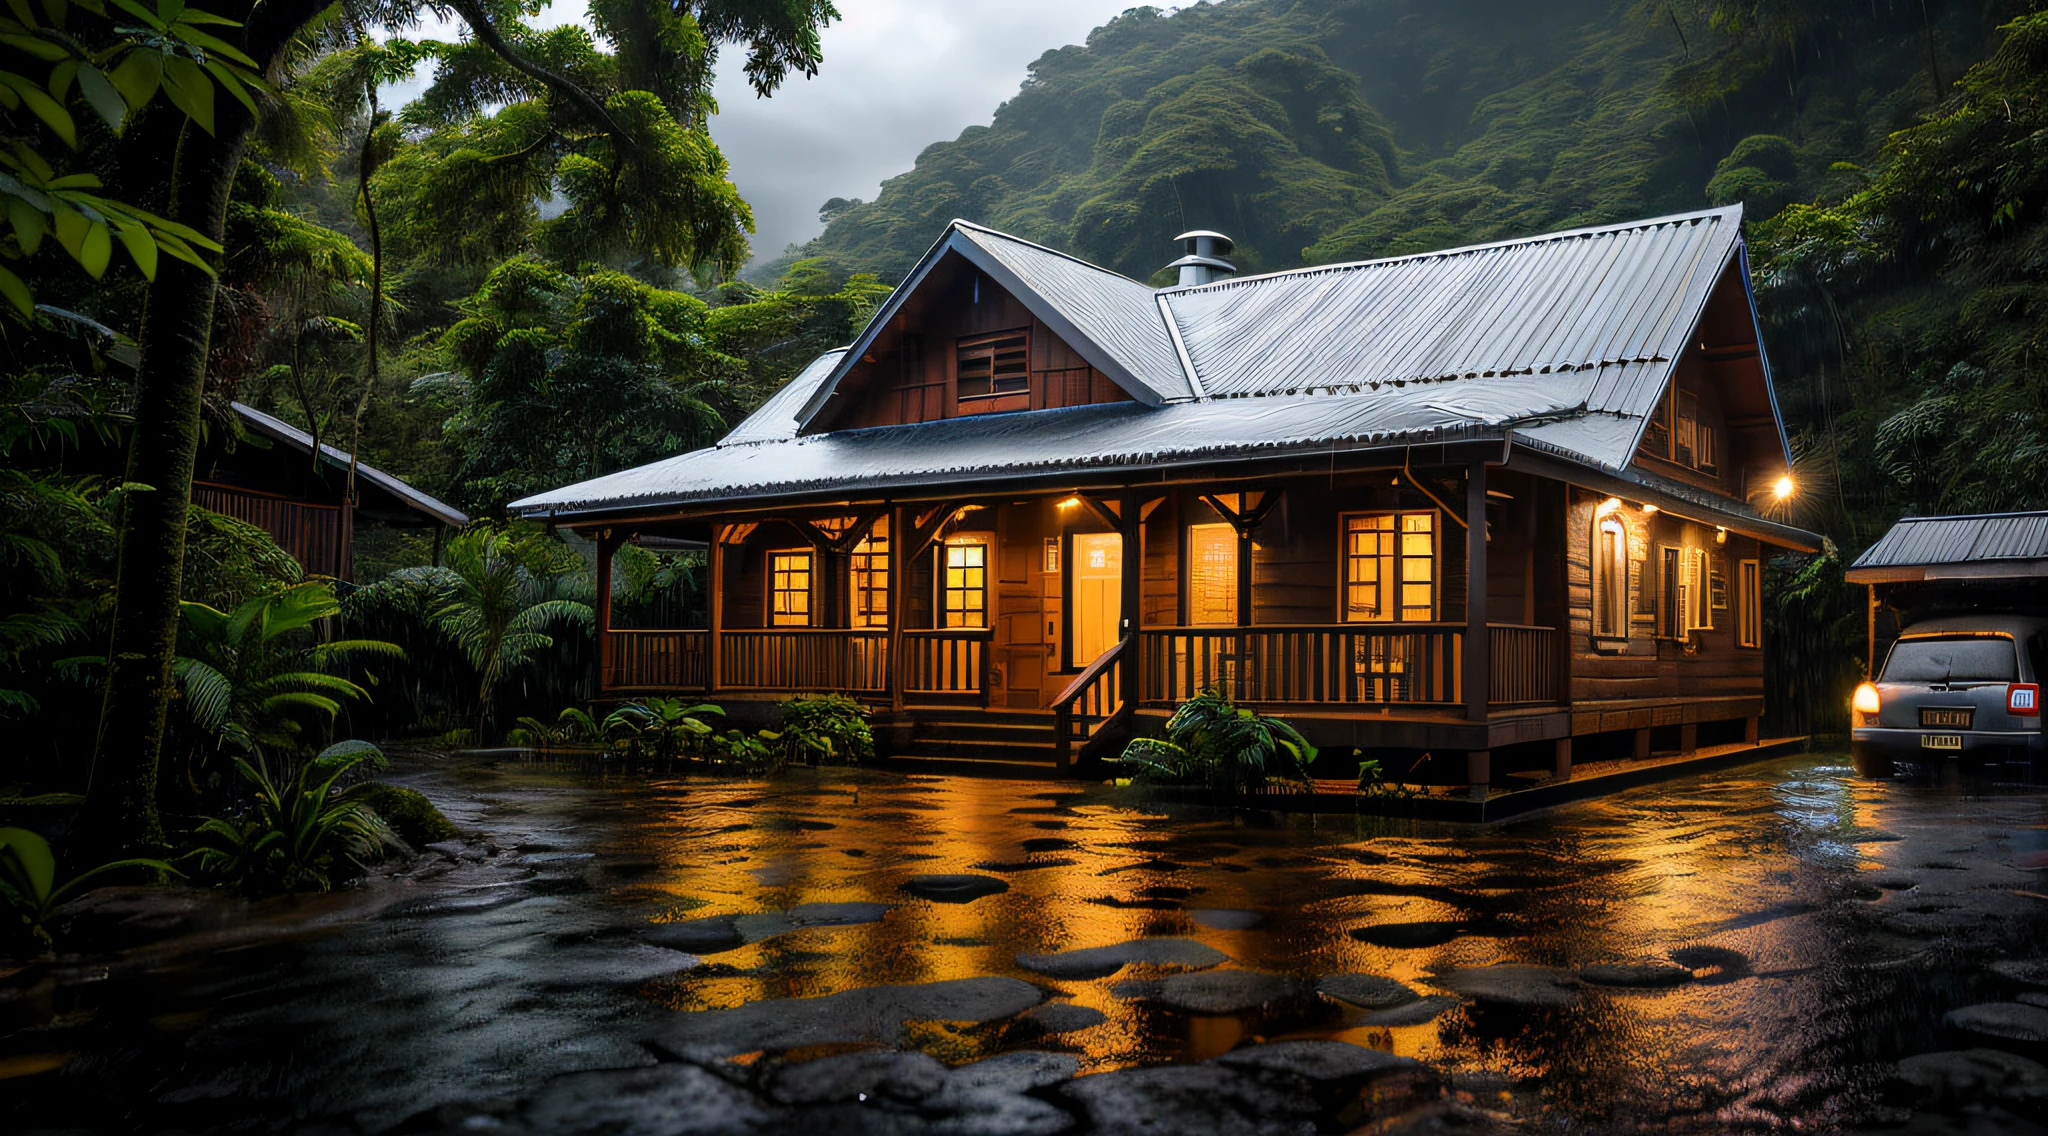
1720 536
1782 488
1866 700
1648 508
1607 506
1070 503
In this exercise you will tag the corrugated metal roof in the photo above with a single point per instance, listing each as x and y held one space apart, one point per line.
1562 342
1917 542
1598 298
776 418
1116 313
298 439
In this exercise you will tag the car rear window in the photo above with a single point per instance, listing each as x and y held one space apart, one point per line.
1952 660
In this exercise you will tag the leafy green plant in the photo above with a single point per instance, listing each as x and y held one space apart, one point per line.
829 729
300 834
751 753
28 880
250 676
573 726
1373 783
1210 739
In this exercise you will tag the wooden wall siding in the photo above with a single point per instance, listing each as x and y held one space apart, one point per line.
1651 667
1724 366
1296 553
314 534
1161 587
908 375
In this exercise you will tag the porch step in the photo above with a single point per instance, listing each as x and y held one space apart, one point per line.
988 743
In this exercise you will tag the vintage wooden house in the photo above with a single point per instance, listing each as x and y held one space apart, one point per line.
1482 503
280 486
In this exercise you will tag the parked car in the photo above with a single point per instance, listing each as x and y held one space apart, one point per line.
1964 687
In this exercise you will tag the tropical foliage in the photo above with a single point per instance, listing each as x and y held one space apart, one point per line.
1209 740
29 887
827 729
304 833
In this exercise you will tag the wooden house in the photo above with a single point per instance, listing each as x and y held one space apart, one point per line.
280 485
1481 503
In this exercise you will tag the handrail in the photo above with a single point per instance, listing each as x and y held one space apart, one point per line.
1089 674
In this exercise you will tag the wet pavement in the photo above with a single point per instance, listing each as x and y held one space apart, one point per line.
836 951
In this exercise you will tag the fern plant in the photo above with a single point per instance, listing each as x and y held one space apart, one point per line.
1211 739
300 834
28 881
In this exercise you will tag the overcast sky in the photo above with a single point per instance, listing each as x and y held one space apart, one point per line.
898 75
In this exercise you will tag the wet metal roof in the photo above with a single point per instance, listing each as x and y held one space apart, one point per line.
1984 545
277 428
1560 343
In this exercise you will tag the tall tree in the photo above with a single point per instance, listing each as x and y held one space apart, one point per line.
197 164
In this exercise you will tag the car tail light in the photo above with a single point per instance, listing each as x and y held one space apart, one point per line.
1866 700
2023 699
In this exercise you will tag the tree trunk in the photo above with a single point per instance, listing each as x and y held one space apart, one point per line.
177 318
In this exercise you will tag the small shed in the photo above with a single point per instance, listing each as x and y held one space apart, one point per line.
1935 565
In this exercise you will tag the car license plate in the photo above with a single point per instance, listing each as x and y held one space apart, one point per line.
1945 716
1941 741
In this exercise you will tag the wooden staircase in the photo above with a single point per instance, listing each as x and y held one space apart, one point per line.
977 742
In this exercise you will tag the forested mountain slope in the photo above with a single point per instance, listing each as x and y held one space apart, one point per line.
1319 130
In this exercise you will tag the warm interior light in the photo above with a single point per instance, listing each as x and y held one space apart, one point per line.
1071 503
1782 488
1866 700
1648 509
1607 506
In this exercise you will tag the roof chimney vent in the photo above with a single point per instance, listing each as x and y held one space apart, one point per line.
1204 260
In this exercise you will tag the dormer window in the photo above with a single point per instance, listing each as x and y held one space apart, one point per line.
994 371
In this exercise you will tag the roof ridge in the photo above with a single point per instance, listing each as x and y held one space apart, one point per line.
1974 516
1716 214
963 223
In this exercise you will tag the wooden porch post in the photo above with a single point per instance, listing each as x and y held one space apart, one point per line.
1133 594
714 608
900 538
606 546
1477 668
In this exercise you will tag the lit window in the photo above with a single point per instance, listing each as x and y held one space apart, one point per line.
1610 578
1390 567
870 577
789 588
965 585
1212 575
1699 614
1749 604
992 365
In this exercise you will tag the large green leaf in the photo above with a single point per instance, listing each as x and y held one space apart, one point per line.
31 853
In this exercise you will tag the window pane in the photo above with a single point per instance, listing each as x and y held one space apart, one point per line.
1212 575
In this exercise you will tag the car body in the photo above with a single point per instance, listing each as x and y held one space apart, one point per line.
1966 687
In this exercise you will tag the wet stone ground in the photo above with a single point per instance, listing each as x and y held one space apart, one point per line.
1774 948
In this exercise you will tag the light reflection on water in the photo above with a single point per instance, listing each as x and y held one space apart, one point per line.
1747 862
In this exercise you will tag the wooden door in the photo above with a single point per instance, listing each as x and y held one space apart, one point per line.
1097 576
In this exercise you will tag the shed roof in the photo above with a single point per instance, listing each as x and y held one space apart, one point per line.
1978 546
278 429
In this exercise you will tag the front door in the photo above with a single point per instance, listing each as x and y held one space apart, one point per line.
1097 599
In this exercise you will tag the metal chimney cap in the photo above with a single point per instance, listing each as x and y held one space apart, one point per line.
1193 259
1225 243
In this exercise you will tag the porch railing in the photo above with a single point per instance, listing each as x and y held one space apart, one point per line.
1525 665
1089 702
952 660
679 660
1417 664
311 532
849 660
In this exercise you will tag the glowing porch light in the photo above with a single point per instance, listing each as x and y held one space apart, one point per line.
1648 508
1782 488
1720 535
1607 506
1070 503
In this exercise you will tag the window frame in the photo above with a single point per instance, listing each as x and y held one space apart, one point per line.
968 343
771 591
867 577
941 606
1749 604
1236 550
1611 599
1435 558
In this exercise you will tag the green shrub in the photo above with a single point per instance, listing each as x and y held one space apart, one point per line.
409 814
29 887
302 835
820 730
748 752
1211 740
